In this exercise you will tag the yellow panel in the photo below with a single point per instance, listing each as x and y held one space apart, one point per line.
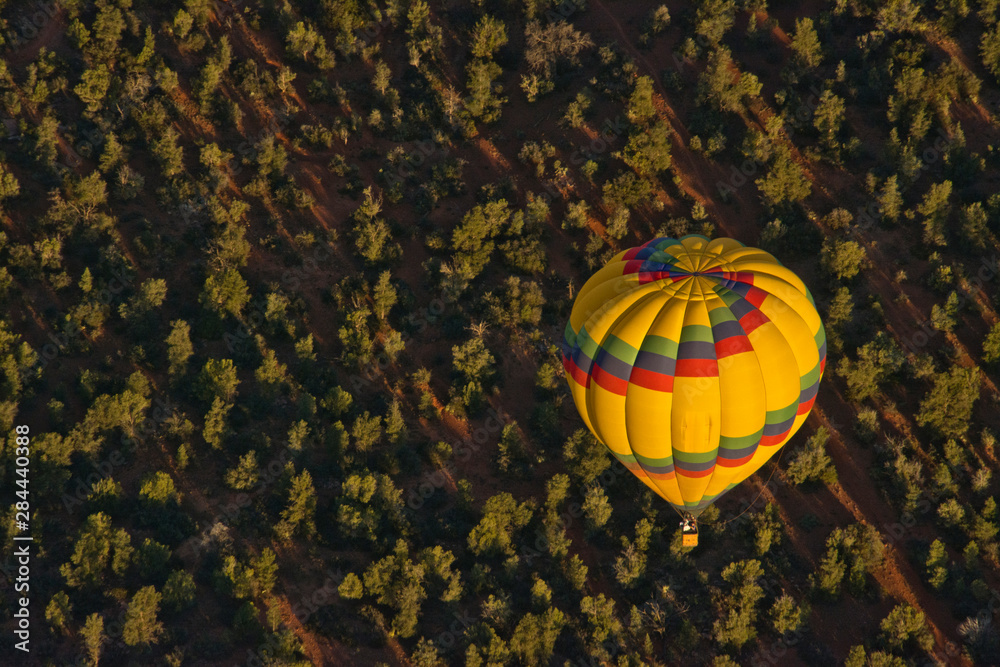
607 408
648 411
781 379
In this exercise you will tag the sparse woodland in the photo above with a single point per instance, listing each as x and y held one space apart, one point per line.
284 283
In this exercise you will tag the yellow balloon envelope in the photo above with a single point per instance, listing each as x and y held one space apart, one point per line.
694 361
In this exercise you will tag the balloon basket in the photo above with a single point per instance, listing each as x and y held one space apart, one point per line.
689 532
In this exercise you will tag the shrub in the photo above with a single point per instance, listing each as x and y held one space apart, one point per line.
812 463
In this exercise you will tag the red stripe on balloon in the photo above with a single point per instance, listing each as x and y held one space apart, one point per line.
772 440
608 381
752 320
652 380
697 368
756 296
806 407
695 473
733 463
576 373
727 347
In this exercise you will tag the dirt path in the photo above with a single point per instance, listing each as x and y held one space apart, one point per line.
856 492
50 31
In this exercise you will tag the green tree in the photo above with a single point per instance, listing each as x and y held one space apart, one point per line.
989 49
180 589
859 658
535 637
937 565
713 19
168 152
225 292
991 345
215 429
159 489
585 457
299 514
218 380
852 552
395 425
890 201
179 347
488 36
398 581
141 624
384 295
785 181
788 616
878 360
640 108
302 40
93 87
943 319
843 259
596 507
736 627
351 587
366 431
149 297
502 515
719 88
648 150
473 360
9 186
58 612
805 44
484 100
93 637
935 209
904 626
974 225
97 545
828 118
246 473
947 407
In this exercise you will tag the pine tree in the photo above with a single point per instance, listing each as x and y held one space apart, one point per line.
179 347
141 624
805 43
93 637
300 512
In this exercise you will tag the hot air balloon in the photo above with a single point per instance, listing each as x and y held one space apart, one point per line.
694 361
